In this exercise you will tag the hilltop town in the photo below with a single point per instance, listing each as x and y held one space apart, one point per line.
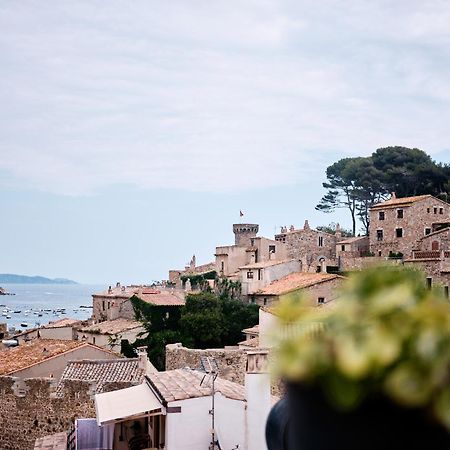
69 380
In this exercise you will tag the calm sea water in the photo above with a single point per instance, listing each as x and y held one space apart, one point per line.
32 299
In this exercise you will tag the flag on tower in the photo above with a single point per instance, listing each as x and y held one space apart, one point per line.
241 214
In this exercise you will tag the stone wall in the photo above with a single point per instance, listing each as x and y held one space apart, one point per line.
417 217
231 361
309 246
30 408
349 263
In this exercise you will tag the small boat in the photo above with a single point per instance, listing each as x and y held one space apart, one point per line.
8 316
24 325
4 314
17 311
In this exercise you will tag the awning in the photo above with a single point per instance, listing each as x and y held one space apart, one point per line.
125 403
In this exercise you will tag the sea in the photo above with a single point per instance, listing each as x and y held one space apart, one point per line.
38 304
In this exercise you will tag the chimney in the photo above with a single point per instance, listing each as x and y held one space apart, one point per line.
306 226
338 232
144 362
291 228
257 391
109 290
393 195
118 284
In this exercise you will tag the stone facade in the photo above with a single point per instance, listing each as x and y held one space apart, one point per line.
248 249
312 247
398 224
231 361
30 409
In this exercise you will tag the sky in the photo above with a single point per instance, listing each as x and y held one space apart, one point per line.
133 133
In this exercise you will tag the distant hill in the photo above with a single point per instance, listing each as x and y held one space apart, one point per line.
23 279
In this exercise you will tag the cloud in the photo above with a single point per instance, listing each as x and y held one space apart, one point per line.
214 96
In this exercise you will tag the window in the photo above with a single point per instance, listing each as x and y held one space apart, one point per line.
93 340
399 213
381 215
271 248
252 300
429 282
399 232
427 231
446 291
320 241
435 210
265 302
441 210
259 274
379 235
109 305
252 242
222 266
321 300
249 275
103 305
343 248
379 252
428 210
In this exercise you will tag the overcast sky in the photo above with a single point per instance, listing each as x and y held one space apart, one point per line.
132 133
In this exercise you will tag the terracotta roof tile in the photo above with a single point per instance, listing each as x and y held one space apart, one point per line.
67 322
28 354
124 370
161 298
181 384
112 326
294 281
263 264
405 201
254 342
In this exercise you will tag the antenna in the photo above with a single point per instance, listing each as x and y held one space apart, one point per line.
211 369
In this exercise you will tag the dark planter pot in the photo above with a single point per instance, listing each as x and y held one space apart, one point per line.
303 420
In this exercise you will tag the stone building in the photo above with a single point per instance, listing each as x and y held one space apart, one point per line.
397 224
315 249
115 303
248 248
176 276
317 288
432 255
111 334
352 247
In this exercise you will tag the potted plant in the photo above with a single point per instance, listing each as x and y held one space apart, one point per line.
370 371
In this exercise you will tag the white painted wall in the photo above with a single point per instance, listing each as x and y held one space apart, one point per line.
190 429
257 388
267 325
268 274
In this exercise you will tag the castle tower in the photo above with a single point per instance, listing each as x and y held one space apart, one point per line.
243 232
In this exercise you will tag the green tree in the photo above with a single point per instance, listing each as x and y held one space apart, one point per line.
202 321
331 229
410 171
349 187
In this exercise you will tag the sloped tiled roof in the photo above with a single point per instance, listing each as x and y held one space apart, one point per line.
254 342
125 370
182 384
30 353
294 281
161 298
67 322
112 326
350 240
252 330
264 264
402 201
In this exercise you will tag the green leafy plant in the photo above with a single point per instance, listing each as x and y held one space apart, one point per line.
387 335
